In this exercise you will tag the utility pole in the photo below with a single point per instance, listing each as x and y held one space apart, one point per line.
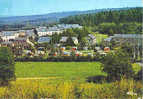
142 56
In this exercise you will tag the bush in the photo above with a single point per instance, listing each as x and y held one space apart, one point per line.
98 56
68 48
117 64
6 65
139 75
96 79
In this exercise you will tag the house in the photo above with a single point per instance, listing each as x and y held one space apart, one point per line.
64 40
20 44
65 53
92 39
8 35
7 38
44 40
75 40
106 49
85 48
22 33
28 52
7 43
74 48
43 31
68 26
63 48
30 33
97 49
41 51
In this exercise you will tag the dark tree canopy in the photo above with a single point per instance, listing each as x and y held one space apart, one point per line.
121 16
117 64
7 70
128 21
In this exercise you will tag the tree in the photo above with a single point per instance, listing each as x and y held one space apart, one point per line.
84 42
116 16
139 75
36 34
55 38
0 39
108 28
117 64
70 42
7 70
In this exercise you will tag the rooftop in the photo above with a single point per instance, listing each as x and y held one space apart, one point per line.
44 39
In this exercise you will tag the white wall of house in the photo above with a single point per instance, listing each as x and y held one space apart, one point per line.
7 38
48 33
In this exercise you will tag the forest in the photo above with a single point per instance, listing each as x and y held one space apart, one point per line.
110 22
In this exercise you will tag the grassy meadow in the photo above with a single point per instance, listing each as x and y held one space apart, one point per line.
58 70
66 80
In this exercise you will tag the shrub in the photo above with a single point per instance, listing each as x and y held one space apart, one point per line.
96 79
139 75
98 56
6 65
117 64
68 48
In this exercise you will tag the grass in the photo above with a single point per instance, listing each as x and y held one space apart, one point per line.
100 37
61 70
66 89
64 70
43 89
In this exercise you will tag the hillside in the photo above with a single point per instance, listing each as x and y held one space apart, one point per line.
116 16
47 18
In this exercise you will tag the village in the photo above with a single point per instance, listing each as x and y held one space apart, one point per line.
72 49
38 42
59 41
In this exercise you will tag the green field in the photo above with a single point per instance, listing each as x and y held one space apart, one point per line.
78 71
64 70
68 82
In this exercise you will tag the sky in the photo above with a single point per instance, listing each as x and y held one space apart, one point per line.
34 7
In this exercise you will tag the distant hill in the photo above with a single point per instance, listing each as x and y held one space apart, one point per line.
46 18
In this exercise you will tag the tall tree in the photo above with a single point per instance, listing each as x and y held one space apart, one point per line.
7 70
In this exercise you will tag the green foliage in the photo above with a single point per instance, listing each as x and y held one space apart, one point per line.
110 22
117 64
134 50
7 70
139 75
100 37
121 16
136 67
55 38
83 42
108 28
70 42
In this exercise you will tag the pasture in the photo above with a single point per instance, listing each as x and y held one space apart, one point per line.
62 70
